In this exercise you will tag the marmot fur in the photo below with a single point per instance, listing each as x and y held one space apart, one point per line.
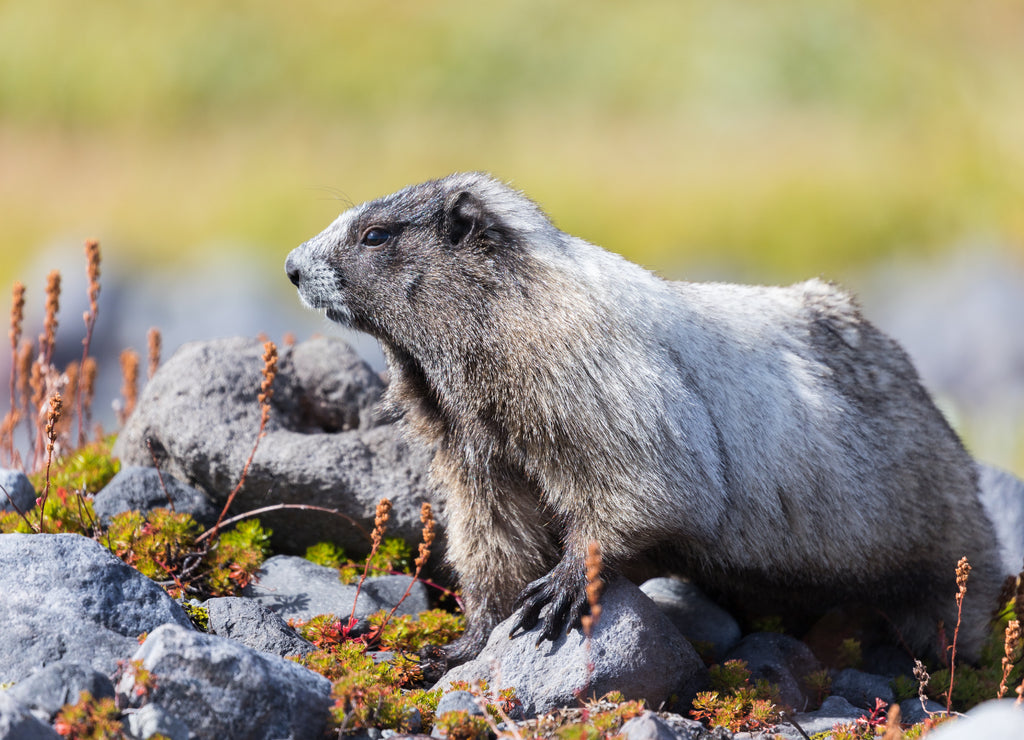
769 443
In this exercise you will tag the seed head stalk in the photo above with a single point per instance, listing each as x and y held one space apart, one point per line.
17 319
266 393
380 523
963 570
92 256
52 417
429 524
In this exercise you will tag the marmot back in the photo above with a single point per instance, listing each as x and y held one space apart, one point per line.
767 442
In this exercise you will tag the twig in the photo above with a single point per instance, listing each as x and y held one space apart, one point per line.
159 473
21 513
278 507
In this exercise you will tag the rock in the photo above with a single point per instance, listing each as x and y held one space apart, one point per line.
458 701
862 689
649 726
834 710
17 488
48 689
17 722
697 618
322 447
1002 494
137 488
780 659
911 711
251 623
67 599
635 650
296 588
999 719
152 719
220 688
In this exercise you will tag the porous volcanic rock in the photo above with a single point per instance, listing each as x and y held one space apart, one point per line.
66 598
324 445
635 650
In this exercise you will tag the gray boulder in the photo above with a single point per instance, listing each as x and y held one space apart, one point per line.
48 689
635 650
780 659
137 488
458 701
323 446
15 487
295 588
152 719
66 598
253 624
697 618
18 723
862 689
911 711
220 688
1000 719
649 726
834 710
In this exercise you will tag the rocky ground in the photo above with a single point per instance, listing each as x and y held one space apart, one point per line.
72 613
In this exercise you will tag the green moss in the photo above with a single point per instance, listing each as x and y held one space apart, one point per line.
393 556
327 554
87 469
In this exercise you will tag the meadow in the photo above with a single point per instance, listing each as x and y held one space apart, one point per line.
764 142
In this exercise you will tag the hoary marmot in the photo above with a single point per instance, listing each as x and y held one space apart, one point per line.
767 442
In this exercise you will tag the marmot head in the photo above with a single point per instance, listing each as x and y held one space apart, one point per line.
434 254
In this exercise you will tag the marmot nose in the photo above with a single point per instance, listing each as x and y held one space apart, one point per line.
293 272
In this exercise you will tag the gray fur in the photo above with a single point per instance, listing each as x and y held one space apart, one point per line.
767 442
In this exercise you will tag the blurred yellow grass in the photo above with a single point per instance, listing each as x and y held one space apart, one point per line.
765 141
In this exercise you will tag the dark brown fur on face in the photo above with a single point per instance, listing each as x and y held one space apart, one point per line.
768 443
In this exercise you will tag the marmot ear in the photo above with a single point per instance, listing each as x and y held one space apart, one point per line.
465 217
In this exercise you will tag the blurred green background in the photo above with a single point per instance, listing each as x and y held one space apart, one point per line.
767 141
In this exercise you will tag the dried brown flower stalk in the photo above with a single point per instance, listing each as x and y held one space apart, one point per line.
130 388
1011 646
594 587
52 417
48 339
87 386
266 393
155 344
92 258
380 523
267 386
23 365
963 571
892 723
922 678
429 524
17 319
288 340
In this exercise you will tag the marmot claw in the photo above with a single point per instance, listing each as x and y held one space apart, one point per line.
567 597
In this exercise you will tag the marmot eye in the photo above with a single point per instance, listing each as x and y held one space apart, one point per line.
375 236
